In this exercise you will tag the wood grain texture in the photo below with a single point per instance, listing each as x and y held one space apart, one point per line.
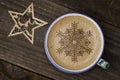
9 71
103 10
17 50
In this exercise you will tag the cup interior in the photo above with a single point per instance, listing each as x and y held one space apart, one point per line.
65 69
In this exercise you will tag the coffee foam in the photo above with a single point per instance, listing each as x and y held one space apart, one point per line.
53 43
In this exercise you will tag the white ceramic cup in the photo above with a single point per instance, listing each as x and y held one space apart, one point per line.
101 62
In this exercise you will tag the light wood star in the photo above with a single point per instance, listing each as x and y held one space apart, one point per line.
25 23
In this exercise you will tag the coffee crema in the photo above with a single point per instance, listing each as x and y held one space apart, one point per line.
74 42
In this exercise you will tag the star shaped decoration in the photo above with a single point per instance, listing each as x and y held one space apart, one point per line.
25 23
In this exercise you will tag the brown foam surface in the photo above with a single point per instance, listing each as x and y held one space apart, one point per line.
74 42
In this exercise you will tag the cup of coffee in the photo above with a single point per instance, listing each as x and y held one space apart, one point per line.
74 43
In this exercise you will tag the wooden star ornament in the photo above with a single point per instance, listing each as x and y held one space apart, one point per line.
25 23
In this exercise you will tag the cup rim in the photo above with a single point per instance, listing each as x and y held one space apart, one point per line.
68 70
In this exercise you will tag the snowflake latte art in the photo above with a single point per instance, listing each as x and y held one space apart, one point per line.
74 42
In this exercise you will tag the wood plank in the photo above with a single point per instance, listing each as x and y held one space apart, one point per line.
11 72
19 51
107 11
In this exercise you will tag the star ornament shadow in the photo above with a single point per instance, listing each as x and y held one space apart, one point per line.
25 23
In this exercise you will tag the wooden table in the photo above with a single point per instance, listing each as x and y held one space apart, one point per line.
19 51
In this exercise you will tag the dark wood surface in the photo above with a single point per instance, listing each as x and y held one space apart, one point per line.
18 51
9 71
